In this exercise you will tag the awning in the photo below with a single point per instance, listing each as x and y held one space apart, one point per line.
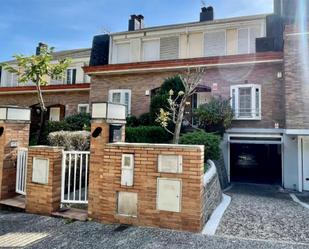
203 89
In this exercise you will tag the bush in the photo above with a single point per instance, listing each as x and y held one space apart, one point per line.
147 134
70 140
132 121
210 141
76 122
215 116
147 119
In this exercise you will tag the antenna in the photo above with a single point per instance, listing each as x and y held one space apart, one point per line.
105 30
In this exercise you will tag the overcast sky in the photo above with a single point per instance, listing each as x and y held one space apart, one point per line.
69 24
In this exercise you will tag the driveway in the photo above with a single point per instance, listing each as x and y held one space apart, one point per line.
264 212
19 230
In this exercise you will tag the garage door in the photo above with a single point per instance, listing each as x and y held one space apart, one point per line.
306 164
256 163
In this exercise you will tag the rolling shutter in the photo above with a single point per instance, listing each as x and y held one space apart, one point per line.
169 48
151 50
255 32
243 44
214 44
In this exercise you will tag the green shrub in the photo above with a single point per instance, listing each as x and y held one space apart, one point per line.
215 116
132 121
147 119
147 134
210 141
78 122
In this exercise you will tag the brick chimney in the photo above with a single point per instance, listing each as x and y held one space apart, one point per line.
39 48
136 22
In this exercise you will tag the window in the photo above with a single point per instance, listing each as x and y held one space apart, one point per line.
54 114
215 43
247 39
83 108
71 76
246 101
169 48
122 53
121 96
151 50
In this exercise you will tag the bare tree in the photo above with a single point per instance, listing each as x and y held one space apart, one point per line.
177 102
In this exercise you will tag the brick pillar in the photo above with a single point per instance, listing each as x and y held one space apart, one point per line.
97 145
44 197
18 133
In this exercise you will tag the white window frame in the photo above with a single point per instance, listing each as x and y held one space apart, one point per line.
253 87
82 105
122 97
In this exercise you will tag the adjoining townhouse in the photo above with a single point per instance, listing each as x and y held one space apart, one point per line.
248 59
64 97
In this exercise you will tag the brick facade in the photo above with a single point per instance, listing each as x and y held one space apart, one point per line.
70 99
264 74
44 198
12 131
296 52
105 183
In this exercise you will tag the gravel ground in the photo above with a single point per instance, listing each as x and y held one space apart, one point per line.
60 234
264 212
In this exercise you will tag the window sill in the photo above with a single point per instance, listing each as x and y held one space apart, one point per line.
247 119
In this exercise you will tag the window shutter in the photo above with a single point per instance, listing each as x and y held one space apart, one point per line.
123 53
243 43
151 50
255 32
73 76
169 48
214 44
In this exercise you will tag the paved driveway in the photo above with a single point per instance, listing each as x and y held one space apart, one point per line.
264 212
31 231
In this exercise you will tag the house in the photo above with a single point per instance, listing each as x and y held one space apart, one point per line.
64 97
257 61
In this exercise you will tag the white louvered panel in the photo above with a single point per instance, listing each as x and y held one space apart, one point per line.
243 42
169 48
255 32
151 50
215 44
123 53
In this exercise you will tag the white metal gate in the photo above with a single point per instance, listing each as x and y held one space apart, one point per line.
21 171
75 173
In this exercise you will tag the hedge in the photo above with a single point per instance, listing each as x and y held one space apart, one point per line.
147 134
209 140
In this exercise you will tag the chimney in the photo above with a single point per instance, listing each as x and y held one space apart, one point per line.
136 22
40 47
207 14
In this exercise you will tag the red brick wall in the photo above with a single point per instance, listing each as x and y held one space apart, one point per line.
105 178
40 198
69 99
12 131
264 74
296 52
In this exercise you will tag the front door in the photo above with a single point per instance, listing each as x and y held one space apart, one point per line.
306 164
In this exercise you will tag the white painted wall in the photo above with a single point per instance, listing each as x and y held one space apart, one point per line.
191 39
290 162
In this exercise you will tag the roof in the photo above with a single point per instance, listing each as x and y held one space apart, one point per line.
72 54
193 24
49 88
170 65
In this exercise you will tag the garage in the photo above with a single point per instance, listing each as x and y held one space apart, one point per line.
256 160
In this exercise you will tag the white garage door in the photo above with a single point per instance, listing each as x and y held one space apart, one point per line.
306 164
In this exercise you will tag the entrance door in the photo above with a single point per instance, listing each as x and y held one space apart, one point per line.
306 164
